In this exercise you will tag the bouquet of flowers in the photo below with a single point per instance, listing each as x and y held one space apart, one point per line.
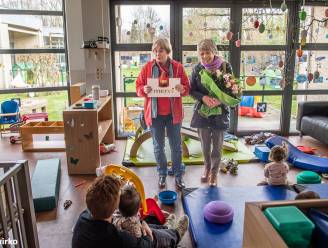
228 84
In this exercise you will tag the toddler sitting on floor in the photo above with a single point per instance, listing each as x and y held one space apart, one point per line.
276 172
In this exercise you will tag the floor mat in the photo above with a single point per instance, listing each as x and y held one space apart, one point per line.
145 155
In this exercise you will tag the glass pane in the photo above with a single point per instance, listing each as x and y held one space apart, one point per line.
52 103
32 70
141 23
30 32
248 113
275 25
32 4
128 109
317 32
262 70
191 58
201 23
127 68
311 64
302 98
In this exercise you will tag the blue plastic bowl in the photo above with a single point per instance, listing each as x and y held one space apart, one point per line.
167 197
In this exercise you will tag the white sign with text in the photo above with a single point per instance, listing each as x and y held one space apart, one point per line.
160 91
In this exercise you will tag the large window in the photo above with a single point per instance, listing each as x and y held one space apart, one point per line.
267 61
33 55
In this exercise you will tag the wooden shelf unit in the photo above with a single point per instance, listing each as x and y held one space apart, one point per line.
85 129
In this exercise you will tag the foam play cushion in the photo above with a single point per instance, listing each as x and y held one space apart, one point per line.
308 177
45 184
218 212
320 233
262 152
293 226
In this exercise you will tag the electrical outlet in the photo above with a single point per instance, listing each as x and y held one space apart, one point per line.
99 73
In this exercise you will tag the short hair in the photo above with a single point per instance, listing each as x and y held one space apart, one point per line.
278 153
102 196
207 45
129 201
162 43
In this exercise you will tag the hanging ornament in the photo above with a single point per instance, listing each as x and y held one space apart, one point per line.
303 42
161 27
316 75
302 15
303 34
252 19
256 24
277 28
189 22
270 36
238 43
326 12
128 33
282 83
281 63
262 28
190 34
229 35
283 6
299 52
135 22
148 25
205 24
310 77
251 81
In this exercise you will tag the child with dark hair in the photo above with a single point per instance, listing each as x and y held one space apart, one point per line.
307 195
127 218
276 172
94 228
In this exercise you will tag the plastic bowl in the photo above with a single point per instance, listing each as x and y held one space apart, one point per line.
167 197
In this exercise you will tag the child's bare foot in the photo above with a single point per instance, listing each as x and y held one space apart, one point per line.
182 225
170 221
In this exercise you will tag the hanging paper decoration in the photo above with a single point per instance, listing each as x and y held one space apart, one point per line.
238 43
282 83
148 25
303 34
205 24
320 58
128 33
189 22
135 22
326 12
299 52
277 28
281 63
310 77
256 24
251 81
303 42
262 28
302 15
316 74
161 27
270 36
283 6
190 34
301 78
229 35
252 19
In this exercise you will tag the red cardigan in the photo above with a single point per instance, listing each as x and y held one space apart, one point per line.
178 72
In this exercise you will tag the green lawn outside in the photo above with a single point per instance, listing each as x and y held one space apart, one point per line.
56 102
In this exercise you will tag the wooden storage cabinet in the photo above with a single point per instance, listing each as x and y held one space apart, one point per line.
85 129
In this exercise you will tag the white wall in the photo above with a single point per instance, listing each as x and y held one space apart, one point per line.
84 20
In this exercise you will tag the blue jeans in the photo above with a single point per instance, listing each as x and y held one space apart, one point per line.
157 129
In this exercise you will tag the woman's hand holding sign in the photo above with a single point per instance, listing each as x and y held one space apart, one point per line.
147 89
180 88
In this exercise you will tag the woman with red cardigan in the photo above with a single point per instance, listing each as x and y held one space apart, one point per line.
164 112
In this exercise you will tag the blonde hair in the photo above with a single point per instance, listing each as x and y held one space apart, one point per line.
162 43
207 45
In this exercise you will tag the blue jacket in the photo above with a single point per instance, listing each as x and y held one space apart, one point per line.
197 91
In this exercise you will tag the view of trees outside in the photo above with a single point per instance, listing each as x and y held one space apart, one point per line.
33 70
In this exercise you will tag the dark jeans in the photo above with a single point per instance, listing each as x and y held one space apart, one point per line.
158 127
164 237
